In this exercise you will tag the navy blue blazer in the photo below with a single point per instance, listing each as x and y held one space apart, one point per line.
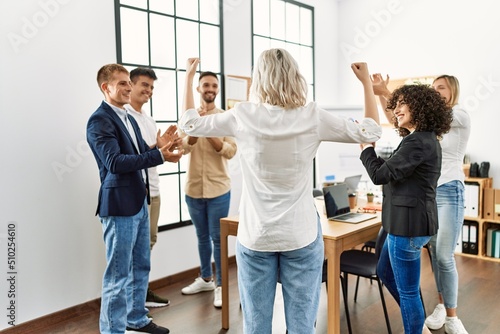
409 178
123 190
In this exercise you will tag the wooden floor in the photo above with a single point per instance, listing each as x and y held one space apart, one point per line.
479 306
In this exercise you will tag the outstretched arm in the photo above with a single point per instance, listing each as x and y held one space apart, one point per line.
191 66
361 72
380 89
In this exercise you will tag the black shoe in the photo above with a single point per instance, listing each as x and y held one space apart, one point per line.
151 328
153 300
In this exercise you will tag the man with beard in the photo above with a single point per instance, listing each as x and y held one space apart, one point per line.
208 189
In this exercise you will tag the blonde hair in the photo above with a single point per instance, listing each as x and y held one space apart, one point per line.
454 88
277 80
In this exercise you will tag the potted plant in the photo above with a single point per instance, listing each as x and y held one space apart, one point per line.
369 197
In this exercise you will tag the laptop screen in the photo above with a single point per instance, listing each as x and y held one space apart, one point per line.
352 183
336 200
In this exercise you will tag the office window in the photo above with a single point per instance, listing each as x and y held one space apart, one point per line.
289 25
162 34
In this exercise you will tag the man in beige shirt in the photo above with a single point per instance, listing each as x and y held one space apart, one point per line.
207 189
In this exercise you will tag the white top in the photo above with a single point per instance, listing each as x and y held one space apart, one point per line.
453 146
277 147
148 130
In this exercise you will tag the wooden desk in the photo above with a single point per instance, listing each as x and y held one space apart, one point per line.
337 238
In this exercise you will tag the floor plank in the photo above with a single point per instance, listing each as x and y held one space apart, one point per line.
195 314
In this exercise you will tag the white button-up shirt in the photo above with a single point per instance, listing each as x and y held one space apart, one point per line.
277 148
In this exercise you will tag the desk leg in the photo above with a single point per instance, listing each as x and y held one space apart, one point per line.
333 249
225 277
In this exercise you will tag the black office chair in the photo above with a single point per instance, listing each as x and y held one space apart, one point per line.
317 192
362 264
369 245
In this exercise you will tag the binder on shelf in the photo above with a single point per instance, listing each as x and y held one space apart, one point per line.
489 241
465 238
488 203
473 227
497 204
472 199
496 244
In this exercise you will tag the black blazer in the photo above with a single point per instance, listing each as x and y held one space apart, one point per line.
122 191
409 178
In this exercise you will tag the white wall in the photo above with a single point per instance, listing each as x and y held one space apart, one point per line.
48 91
51 51
417 38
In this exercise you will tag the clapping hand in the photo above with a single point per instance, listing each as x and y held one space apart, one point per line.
169 143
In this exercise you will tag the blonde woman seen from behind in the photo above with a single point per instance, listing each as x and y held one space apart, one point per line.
279 231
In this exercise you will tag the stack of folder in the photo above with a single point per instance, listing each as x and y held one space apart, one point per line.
471 195
491 204
469 237
493 242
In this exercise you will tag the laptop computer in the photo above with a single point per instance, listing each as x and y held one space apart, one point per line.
352 183
337 207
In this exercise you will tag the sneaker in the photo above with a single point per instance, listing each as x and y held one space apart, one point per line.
437 318
454 326
198 285
218 297
151 328
153 300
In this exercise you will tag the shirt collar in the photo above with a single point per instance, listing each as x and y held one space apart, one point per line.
131 110
121 112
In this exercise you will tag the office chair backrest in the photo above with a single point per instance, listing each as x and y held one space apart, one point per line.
382 235
317 192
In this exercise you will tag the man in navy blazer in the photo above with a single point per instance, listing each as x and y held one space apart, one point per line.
123 158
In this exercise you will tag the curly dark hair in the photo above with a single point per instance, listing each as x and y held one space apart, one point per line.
429 111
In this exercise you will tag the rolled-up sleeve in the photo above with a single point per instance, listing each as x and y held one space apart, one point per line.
187 119
216 125
334 128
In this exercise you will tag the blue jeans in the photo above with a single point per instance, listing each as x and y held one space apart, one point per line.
206 214
126 276
300 273
399 270
450 203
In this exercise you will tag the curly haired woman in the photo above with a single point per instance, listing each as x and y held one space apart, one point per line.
450 202
409 178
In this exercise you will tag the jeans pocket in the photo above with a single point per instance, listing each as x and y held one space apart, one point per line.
418 242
